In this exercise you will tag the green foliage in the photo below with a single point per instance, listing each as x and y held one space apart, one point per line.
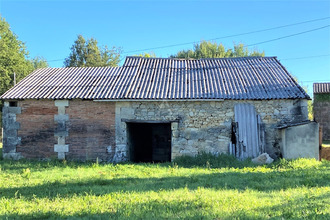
322 97
86 53
207 49
39 62
310 110
287 189
13 57
147 55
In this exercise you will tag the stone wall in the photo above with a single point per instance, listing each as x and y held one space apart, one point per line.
321 109
86 130
205 126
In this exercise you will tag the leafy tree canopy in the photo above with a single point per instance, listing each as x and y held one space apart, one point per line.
86 53
13 58
147 55
207 49
39 62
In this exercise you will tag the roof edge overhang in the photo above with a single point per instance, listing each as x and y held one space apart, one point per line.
155 100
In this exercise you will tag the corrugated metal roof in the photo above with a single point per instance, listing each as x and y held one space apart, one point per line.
321 87
164 78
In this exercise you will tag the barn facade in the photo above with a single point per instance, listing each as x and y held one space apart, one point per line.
152 109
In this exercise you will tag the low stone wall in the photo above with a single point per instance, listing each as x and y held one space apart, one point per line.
205 126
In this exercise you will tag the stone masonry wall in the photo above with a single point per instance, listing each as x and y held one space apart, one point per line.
97 130
322 115
206 126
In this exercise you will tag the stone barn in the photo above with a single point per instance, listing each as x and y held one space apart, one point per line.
152 109
321 107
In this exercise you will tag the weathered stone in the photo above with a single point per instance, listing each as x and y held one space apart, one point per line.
61 102
126 112
61 110
263 159
61 148
61 140
12 156
14 110
61 118
61 155
174 126
61 133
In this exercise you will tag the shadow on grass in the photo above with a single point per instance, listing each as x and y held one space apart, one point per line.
305 207
259 181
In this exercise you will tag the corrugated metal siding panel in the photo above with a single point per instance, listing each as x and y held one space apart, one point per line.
246 117
321 87
162 78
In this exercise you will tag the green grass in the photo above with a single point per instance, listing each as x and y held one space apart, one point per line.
205 187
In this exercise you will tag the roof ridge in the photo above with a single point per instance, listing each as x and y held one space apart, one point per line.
208 58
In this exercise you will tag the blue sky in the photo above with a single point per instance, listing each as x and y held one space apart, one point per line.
49 28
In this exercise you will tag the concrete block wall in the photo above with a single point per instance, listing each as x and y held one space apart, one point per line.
322 115
301 141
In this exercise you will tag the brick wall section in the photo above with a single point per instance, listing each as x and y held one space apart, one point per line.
91 130
37 129
322 115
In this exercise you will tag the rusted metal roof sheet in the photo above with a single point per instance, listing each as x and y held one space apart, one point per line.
164 79
321 87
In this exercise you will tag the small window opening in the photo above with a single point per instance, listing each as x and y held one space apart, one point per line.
13 104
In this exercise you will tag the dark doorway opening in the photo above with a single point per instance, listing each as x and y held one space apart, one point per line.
149 142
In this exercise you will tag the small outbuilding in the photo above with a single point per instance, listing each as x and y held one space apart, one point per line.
152 109
321 107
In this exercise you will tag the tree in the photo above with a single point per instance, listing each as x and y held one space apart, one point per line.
13 57
88 53
207 49
147 55
39 62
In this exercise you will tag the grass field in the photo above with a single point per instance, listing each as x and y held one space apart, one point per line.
209 189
